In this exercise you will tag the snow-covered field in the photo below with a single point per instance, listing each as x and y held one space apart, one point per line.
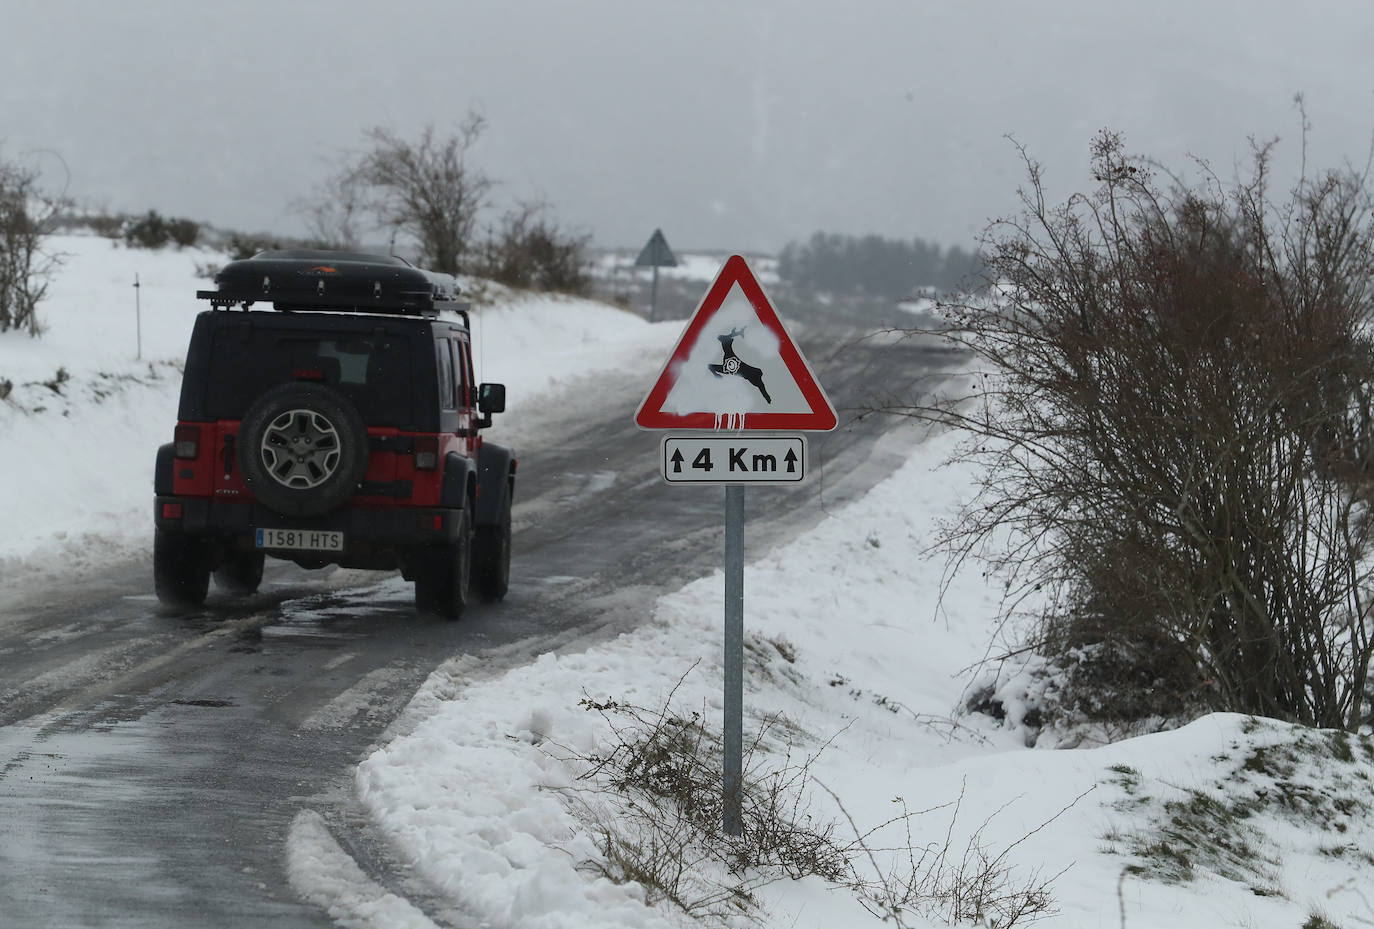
856 672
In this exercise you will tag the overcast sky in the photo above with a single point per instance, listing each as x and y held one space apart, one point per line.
731 125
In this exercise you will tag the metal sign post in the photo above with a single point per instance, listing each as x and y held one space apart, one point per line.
653 297
734 658
138 319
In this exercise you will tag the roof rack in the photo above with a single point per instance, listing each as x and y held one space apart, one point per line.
354 282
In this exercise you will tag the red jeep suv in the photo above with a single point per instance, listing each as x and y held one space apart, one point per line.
338 425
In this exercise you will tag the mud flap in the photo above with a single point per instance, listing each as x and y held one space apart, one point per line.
457 473
495 471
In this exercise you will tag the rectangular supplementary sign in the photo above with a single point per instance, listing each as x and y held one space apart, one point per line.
741 459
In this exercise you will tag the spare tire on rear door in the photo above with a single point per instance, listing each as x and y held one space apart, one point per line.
303 449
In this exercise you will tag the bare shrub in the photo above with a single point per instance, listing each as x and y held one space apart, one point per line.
673 763
1172 419
107 226
26 266
148 231
652 797
426 189
153 230
427 192
529 249
241 245
184 232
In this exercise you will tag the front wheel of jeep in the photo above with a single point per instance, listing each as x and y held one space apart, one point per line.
181 568
443 574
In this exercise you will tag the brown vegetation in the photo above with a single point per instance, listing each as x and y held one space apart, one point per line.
1173 413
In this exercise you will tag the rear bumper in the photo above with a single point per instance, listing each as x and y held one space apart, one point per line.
235 523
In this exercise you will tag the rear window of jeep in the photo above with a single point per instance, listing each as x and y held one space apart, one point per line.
374 372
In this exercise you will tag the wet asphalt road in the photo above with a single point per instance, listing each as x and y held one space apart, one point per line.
151 763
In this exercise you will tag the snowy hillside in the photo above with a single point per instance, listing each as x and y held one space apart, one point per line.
856 676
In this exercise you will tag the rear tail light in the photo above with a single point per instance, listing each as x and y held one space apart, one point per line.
426 452
171 511
187 441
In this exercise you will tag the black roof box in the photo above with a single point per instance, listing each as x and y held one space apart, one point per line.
311 279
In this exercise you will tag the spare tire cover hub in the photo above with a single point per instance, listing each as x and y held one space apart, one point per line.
300 449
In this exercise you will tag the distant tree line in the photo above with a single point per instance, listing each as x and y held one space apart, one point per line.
877 267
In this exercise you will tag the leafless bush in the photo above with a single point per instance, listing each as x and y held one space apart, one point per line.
652 797
1174 427
244 245
184 232
968 883
153 231
107 226
429 192
673 764
425 189
26 267
529 249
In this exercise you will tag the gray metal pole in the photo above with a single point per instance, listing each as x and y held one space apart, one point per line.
653 297
734 657
138 318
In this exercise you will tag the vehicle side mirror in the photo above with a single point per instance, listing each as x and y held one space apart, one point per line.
491 398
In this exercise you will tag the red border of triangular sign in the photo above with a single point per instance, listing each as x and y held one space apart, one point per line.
651 414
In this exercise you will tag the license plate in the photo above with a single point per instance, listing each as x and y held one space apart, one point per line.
310 540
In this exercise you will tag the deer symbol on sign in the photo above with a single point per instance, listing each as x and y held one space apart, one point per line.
732 364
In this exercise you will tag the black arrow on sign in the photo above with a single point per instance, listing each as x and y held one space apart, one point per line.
676 459
791 459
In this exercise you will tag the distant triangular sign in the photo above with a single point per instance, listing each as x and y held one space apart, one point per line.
656 253
735 367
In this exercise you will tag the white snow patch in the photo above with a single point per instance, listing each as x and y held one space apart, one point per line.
326 875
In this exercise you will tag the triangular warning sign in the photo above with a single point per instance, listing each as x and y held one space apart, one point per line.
735 367
656 253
